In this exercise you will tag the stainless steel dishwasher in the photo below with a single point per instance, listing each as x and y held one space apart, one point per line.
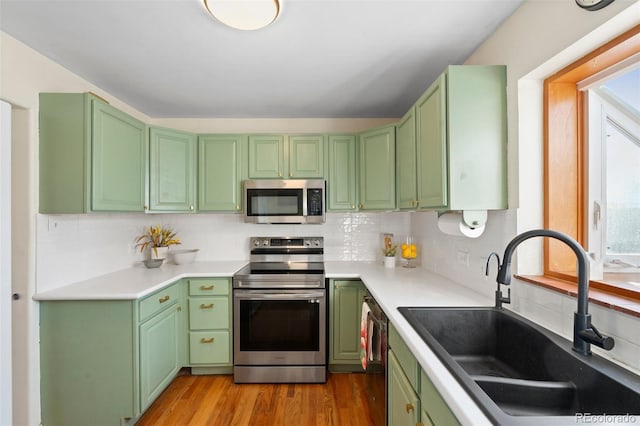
376 371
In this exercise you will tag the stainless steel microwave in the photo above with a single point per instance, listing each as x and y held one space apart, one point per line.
284 200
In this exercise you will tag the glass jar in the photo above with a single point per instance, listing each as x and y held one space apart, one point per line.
409 251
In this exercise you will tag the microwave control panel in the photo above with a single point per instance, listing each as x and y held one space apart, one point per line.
314 202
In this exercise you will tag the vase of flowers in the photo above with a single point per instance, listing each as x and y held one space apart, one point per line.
389 251
157 240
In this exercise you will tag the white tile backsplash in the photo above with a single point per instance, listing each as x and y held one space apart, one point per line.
72 248
555 311
548 308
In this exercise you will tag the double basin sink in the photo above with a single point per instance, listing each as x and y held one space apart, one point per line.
521 373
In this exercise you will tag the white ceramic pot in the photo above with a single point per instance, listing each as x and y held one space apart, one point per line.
159 252
389 262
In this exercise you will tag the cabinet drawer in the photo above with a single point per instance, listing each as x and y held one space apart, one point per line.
209 286
206 313
405 358
209 347
158 301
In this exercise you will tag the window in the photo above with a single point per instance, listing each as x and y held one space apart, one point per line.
613 134
580 104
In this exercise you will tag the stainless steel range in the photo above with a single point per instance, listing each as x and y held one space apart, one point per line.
280 312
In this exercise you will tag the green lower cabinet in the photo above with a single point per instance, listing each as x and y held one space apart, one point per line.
88 362
159 353
412 397
210 344
345 310
433 406
403 404
103 362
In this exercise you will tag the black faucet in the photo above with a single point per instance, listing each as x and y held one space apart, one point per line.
500 299
584 333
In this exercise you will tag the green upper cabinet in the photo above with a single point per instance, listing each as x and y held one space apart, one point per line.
406 180
431 146
172 171
377 155
306 156
221 169
279 156
461 130
266 156
341 178
92 156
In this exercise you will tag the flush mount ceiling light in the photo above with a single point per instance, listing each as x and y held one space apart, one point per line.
593 4
244 14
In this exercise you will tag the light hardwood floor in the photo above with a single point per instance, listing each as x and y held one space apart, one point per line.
216 400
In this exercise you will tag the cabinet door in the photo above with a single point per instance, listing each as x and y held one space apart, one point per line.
172 171
436 409
403 405
306 156
159 353
377 169
220 172
341 183
477 137
346 304
432 146
64 149
406 179
266 156
118 160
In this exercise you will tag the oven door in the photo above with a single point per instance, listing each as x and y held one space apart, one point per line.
279 327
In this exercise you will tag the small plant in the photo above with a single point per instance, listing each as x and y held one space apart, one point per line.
157 236
389 249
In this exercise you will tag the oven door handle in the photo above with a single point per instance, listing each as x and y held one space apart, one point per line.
279 296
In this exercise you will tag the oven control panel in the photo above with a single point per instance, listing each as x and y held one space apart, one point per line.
286 242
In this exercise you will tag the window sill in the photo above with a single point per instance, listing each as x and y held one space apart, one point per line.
627 305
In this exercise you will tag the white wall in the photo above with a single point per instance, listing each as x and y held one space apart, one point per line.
539 38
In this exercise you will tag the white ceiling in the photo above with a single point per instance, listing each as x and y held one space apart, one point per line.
320 59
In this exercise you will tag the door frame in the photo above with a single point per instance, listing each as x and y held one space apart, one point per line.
6 402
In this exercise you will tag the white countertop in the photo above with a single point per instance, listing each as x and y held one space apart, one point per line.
396 287
138 281
391 288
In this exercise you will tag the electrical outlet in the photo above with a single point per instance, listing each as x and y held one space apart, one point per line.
463 258
53 225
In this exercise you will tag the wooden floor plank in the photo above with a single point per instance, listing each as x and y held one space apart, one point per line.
216 400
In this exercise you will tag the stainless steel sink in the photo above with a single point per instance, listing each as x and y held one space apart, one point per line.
521 373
